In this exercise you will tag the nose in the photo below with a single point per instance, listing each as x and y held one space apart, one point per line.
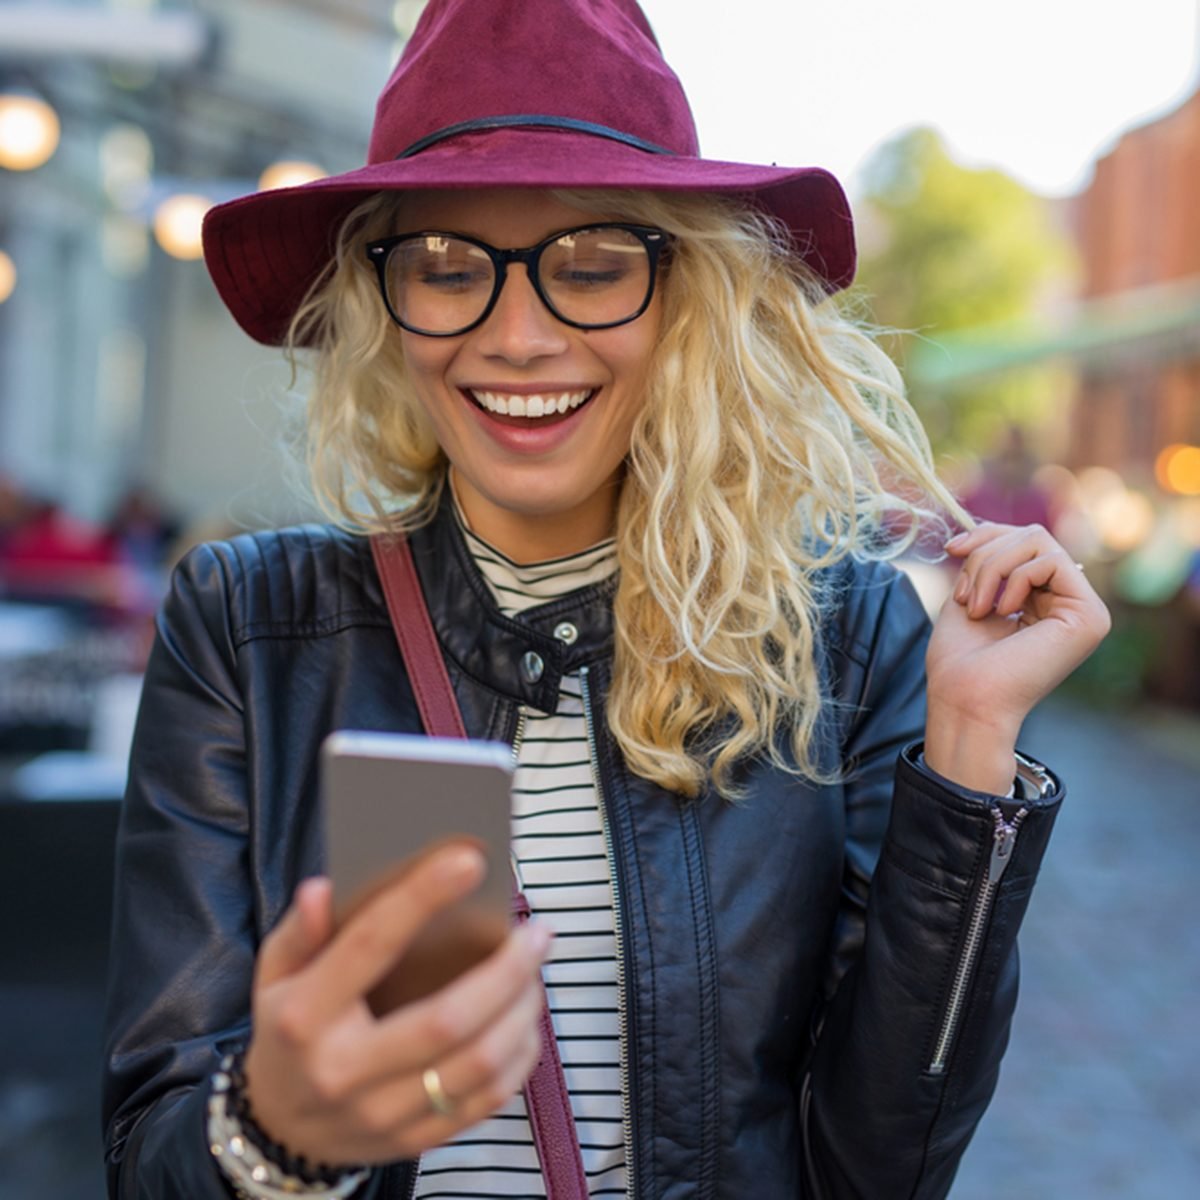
520 328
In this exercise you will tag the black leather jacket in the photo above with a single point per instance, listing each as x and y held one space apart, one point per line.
746 933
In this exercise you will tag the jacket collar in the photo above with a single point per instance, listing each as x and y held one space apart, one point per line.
524 659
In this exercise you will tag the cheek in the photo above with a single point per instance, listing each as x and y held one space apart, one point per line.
630 363
642 338
426 361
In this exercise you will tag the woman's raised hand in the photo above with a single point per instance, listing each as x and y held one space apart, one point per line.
1021 618
334 1083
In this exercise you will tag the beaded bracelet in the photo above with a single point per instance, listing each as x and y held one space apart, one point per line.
258 1167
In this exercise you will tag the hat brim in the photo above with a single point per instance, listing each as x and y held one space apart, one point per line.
264 251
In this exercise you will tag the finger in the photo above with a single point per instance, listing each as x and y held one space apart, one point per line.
484 1101
430 1030
363 951
305 927
1059 575
1025 579
404 1106
475 1077
477 1065
988 568
999 537
964 543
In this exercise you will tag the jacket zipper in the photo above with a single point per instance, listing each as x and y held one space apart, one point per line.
519 734
1004 837
518 738
622 1019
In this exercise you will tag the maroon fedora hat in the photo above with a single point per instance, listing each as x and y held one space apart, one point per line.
512 93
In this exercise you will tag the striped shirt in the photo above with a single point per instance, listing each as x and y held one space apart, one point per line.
558 841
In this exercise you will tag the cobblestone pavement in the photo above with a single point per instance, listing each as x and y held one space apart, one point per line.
1100 1091
1099 1095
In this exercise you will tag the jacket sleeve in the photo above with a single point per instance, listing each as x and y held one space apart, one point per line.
923 969
185 930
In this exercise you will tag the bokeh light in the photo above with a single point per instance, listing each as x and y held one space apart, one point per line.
126 164
177 225
29 131
1124 519
1177 469
289 173
8 276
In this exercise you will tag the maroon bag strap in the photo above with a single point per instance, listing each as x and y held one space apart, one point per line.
418 643
546 1095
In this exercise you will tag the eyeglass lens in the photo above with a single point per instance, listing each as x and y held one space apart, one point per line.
442 284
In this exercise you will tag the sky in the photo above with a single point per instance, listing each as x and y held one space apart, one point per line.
1039 88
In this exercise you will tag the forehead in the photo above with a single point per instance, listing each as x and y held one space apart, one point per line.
505 217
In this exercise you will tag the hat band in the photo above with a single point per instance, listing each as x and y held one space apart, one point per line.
535 120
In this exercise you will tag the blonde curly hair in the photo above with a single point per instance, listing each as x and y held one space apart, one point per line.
775 439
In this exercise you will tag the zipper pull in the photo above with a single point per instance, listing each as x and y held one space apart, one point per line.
1003 840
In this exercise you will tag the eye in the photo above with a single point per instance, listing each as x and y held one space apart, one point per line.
451 279
588 276
594 260
442 264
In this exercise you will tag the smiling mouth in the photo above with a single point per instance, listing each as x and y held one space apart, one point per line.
530 408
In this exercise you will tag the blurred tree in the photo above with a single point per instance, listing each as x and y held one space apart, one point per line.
948 248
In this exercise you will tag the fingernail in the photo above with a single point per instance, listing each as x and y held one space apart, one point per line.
455 862
956 539
961 588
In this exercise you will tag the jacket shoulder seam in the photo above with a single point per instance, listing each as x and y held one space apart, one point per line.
323 627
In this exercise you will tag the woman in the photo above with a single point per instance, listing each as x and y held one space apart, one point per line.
641 466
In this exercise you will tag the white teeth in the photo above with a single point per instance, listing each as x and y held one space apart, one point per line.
529 406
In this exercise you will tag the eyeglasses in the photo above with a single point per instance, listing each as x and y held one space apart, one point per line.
592 277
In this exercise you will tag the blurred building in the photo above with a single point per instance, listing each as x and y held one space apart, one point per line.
1138 229
1137 408
1119 430
119 367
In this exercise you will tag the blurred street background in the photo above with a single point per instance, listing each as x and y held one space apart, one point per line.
1026 185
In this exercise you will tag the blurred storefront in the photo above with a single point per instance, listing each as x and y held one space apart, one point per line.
134 419
1138 228
134 416
118 366
1122 439
1137 410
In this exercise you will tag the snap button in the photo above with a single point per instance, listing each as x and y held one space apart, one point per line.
531 666
566 632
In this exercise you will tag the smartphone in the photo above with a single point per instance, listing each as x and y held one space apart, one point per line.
391 798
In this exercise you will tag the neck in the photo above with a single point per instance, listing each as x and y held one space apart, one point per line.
531 537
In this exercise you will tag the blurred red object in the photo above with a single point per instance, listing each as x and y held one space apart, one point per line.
1007 491
49 555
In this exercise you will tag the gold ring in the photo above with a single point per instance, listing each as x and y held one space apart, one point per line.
438 1100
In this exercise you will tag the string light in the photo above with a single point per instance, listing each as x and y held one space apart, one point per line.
289 173
1124 520
1177 469
177 225
8 277
29 131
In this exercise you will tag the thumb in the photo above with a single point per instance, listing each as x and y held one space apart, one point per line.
304 929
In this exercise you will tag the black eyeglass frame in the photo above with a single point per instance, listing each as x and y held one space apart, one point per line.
654 240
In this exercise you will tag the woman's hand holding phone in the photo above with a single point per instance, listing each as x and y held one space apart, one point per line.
337 1084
